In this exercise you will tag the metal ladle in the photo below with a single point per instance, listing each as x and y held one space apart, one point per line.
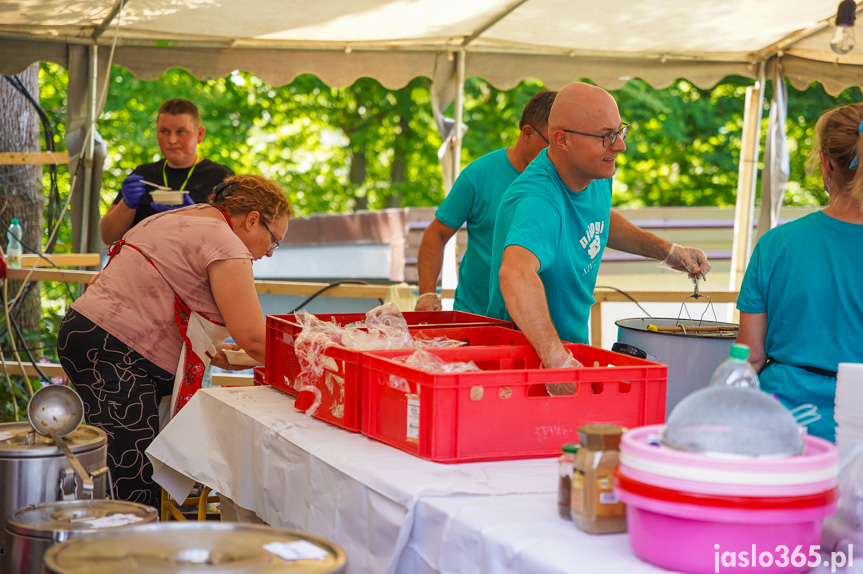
56 411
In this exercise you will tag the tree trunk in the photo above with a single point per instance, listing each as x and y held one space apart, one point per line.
21 192
358 178
399 167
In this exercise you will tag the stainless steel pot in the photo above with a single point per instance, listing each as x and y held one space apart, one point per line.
31 531
691 355
55 411
33 469
212 547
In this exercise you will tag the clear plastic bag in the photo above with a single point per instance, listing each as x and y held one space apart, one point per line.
426 361
384 328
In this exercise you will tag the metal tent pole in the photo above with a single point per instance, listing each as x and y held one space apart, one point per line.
747 176
449 274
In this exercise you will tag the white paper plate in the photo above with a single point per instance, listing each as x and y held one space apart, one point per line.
167 197
240 358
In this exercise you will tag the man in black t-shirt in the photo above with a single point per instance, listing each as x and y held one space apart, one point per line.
179 131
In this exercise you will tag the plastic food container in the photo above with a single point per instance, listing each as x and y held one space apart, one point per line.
686 510
282 366
240 358
167 197
504 411
685 537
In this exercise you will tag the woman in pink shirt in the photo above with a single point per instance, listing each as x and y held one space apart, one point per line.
176 286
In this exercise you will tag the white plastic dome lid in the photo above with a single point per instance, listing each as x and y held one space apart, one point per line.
733 420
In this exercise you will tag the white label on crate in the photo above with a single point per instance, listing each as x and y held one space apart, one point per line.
413 428
297 550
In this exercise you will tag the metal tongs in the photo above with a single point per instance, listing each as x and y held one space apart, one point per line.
696 295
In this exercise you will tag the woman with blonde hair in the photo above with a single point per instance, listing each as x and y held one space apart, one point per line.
799 309
175 287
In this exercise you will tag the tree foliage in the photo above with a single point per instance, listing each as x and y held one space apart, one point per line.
367 147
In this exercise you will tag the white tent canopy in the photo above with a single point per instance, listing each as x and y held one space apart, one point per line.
505 41
393 41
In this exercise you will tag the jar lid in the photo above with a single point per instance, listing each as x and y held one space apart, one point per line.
570 447
600 437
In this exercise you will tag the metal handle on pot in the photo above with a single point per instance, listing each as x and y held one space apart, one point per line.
627 349
86 483
66 484
104 473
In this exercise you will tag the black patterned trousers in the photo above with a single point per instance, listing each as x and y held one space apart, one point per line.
121 391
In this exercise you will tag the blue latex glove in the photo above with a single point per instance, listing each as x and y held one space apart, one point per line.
187 200
133 190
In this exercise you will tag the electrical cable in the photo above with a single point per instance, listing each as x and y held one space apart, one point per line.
20 336
30 284
55 217
54 193
330 286
87 135
628 296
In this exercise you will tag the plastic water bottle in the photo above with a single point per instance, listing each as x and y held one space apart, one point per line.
735 371
13 245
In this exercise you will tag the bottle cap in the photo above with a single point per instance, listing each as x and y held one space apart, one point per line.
600 437
739 351
570 447
15 221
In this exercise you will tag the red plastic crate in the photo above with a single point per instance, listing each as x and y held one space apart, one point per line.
460 417
259 377
341 403
281 362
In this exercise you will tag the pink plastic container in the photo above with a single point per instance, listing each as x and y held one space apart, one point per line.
642 442
701 513
701 540
728 489
641 451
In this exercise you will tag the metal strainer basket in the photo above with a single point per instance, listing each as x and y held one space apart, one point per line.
733 421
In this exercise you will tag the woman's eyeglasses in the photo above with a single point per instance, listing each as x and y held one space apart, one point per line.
275 244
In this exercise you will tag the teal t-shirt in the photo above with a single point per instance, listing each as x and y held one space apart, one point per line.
567 231
474 199
805 275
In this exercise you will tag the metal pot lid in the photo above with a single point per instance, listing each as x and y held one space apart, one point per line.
688 327
19 440
75 517
201 547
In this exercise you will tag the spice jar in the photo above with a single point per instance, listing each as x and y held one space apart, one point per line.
593 505
567 456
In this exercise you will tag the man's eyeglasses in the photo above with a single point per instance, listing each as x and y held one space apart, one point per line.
275 244
609 138
539 133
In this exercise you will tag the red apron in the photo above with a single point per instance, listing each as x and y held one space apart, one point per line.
200 336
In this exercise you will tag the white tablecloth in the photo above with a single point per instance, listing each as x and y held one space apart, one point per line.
390 511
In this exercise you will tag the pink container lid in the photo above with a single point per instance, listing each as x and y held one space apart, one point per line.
726 488
734 515
643 443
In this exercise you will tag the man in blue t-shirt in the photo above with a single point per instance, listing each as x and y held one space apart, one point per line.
555 220
474 199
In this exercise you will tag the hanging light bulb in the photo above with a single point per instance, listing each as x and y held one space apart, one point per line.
843 36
